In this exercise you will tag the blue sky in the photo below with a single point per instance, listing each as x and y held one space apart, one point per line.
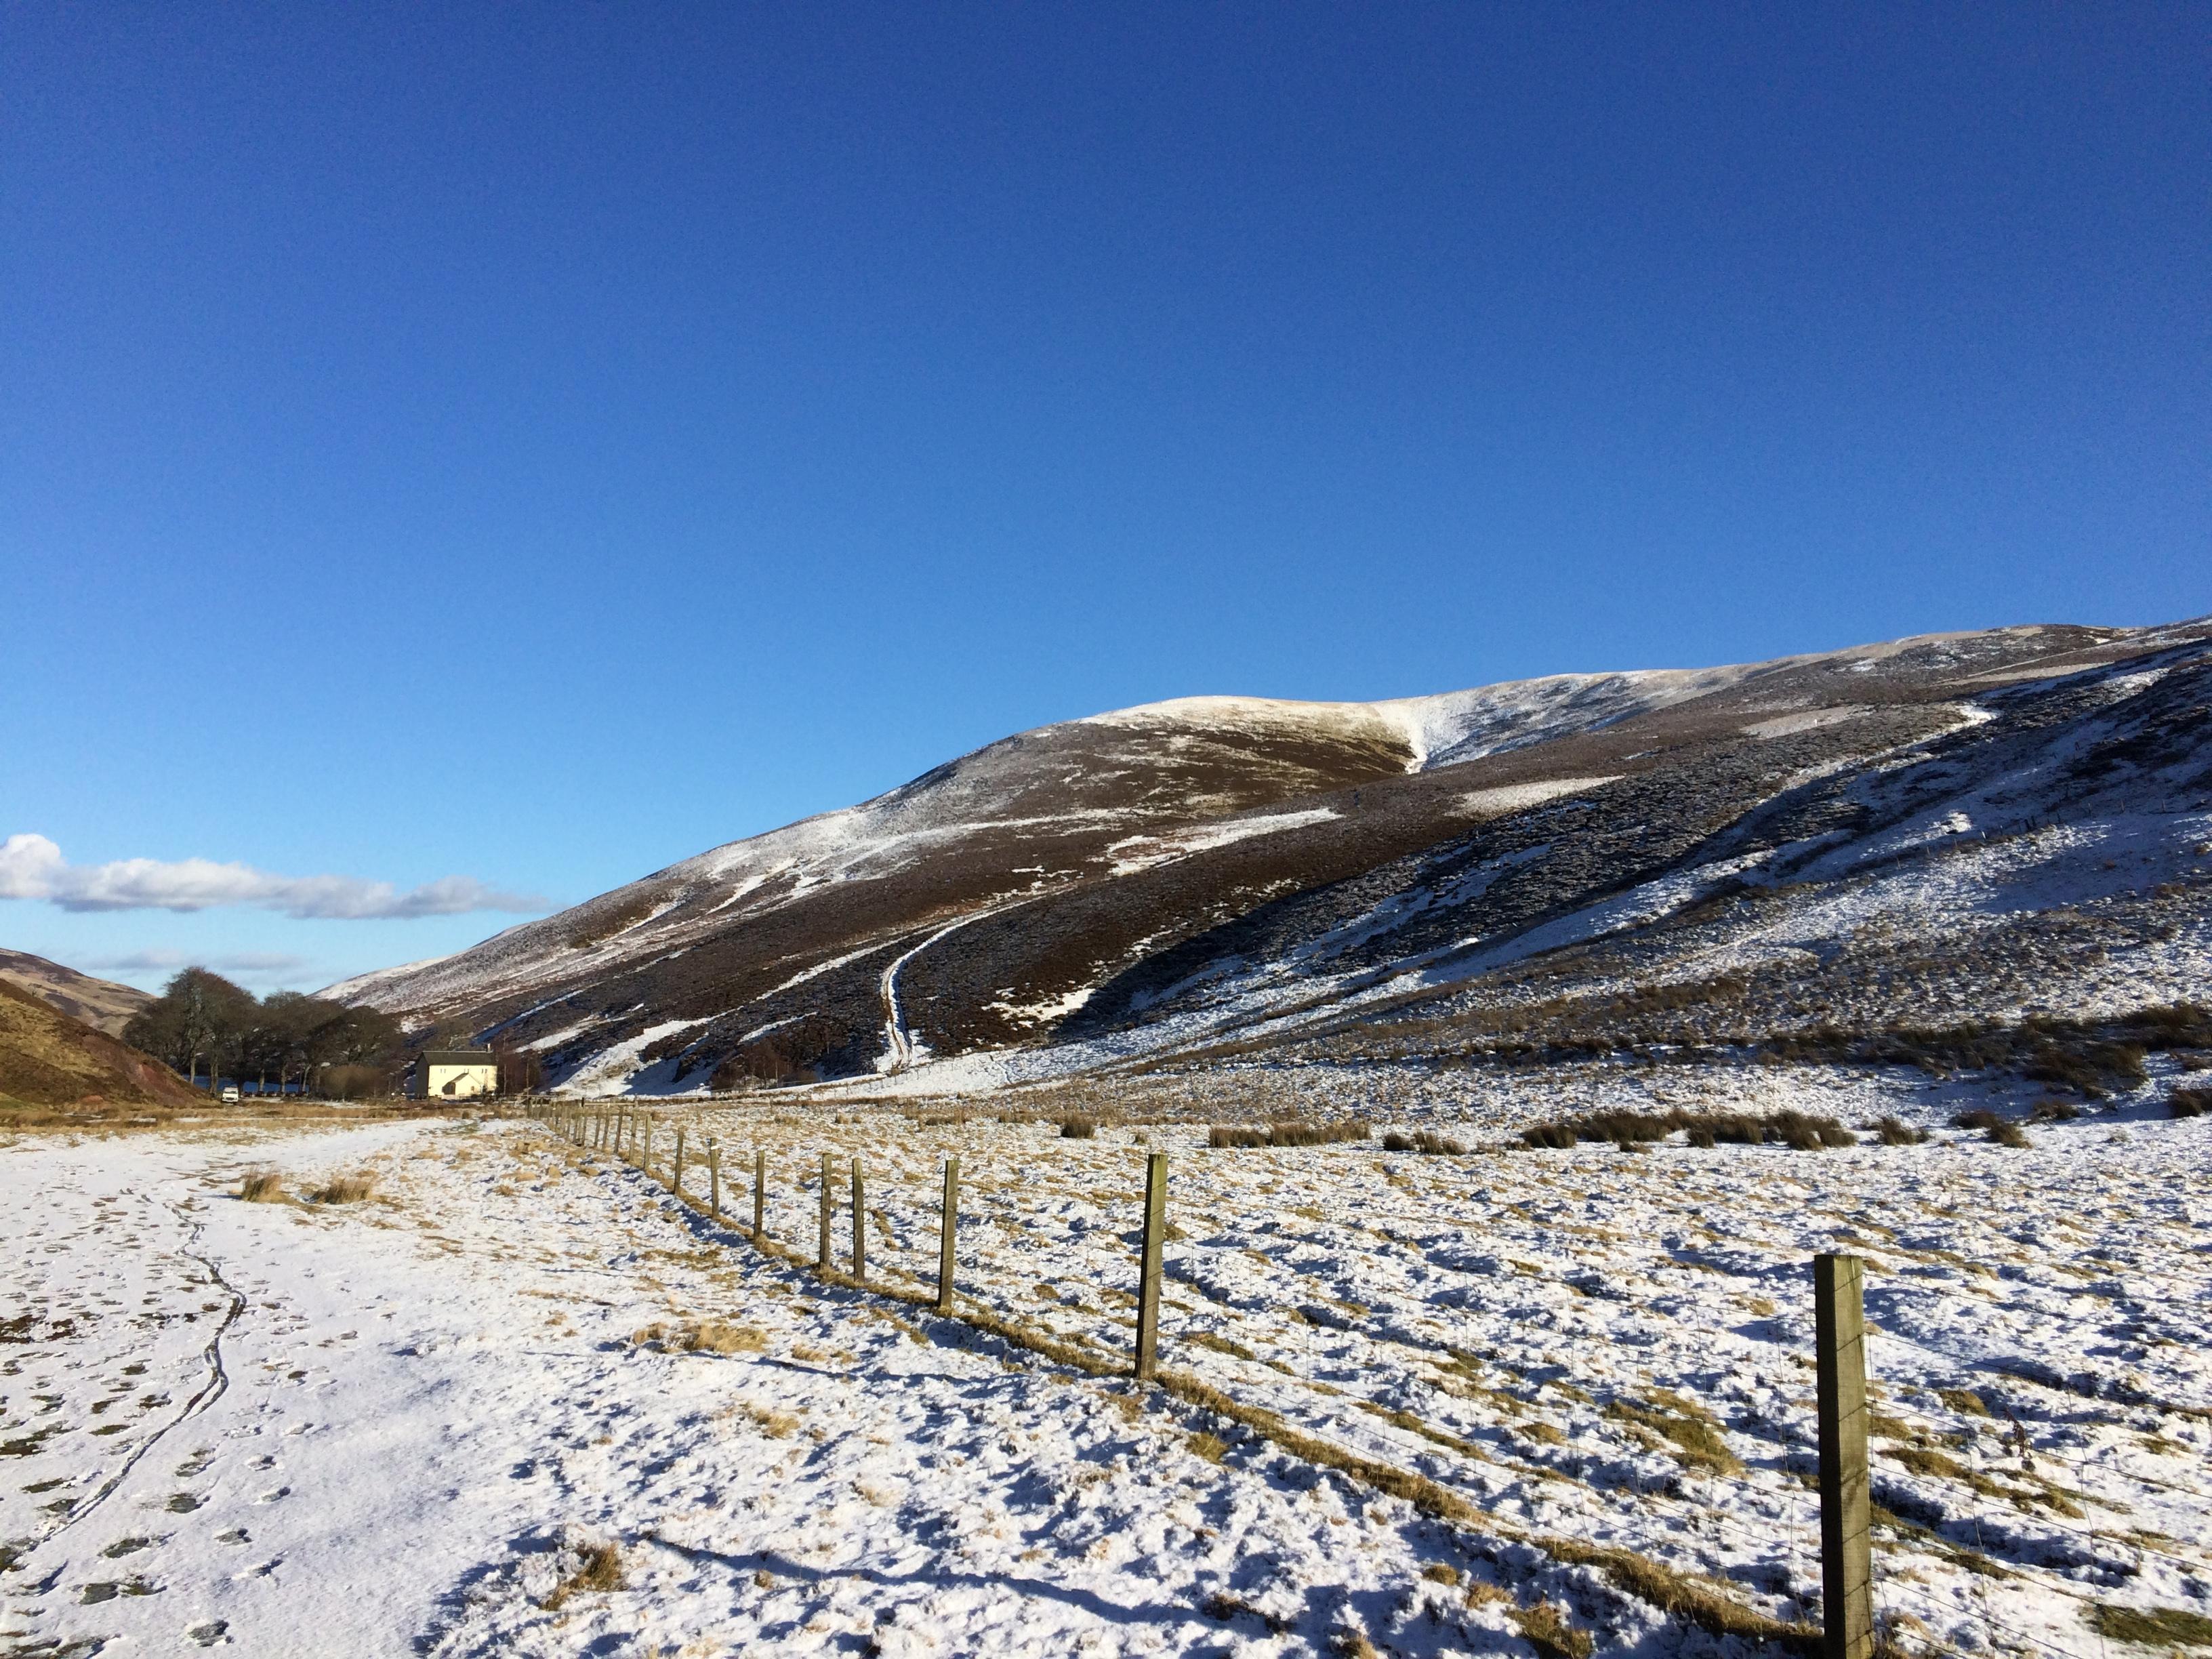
530 446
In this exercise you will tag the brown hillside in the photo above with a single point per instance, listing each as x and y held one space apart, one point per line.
47 1058
99 1003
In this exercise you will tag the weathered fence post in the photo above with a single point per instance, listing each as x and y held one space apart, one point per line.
714 1177
645 1143
822 1259
760 1192
948 1220
859 1226
1148 1275
1847 1550
676 1181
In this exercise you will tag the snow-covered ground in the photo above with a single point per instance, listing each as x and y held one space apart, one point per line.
304 1428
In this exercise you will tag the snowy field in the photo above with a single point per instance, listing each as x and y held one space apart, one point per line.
521 1401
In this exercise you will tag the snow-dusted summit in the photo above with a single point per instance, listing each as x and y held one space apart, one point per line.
1165 876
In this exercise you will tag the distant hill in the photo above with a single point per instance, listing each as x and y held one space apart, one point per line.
99 1003
1947 829
49 1059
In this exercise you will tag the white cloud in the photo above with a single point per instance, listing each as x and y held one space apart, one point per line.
33 867
242 962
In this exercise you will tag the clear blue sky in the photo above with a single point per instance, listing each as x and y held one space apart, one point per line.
535 444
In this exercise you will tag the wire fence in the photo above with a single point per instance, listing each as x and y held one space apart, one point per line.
1047 1233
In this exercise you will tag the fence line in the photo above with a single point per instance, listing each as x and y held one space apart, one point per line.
1848 1603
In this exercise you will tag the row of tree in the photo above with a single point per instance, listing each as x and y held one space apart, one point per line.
203 1023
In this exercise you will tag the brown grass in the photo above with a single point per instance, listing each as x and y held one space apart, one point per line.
776 1425
347 1188
1692 1433
262 1187
1423 1140
701 1336
599 1568
2189 1103
2153 1627
1289 1132
1548 1631
1799 1131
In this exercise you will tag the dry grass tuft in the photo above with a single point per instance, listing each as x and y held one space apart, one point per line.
1548 1631
1077 1127
1799 1131
776 1425
1692 1434
1423 1140
1439 1572
1210 1447
701 1336
1965 1401
262 1187
2189 1103
1289 1132
1894 1131
347 1188
2153 1627
599 1567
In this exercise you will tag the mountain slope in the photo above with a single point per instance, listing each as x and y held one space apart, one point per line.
49 1059
99 1003
1167 875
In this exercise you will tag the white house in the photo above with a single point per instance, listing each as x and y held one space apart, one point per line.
454 1073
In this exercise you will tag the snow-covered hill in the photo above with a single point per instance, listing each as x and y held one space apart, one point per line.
1140 882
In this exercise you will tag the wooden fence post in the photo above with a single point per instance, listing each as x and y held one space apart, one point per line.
714 1177
1846 1549
822 1259
645 1142
949 1220
859 1225
676 1181
1148 1274
760 1194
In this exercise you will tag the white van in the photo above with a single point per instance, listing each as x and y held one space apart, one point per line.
230 1095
